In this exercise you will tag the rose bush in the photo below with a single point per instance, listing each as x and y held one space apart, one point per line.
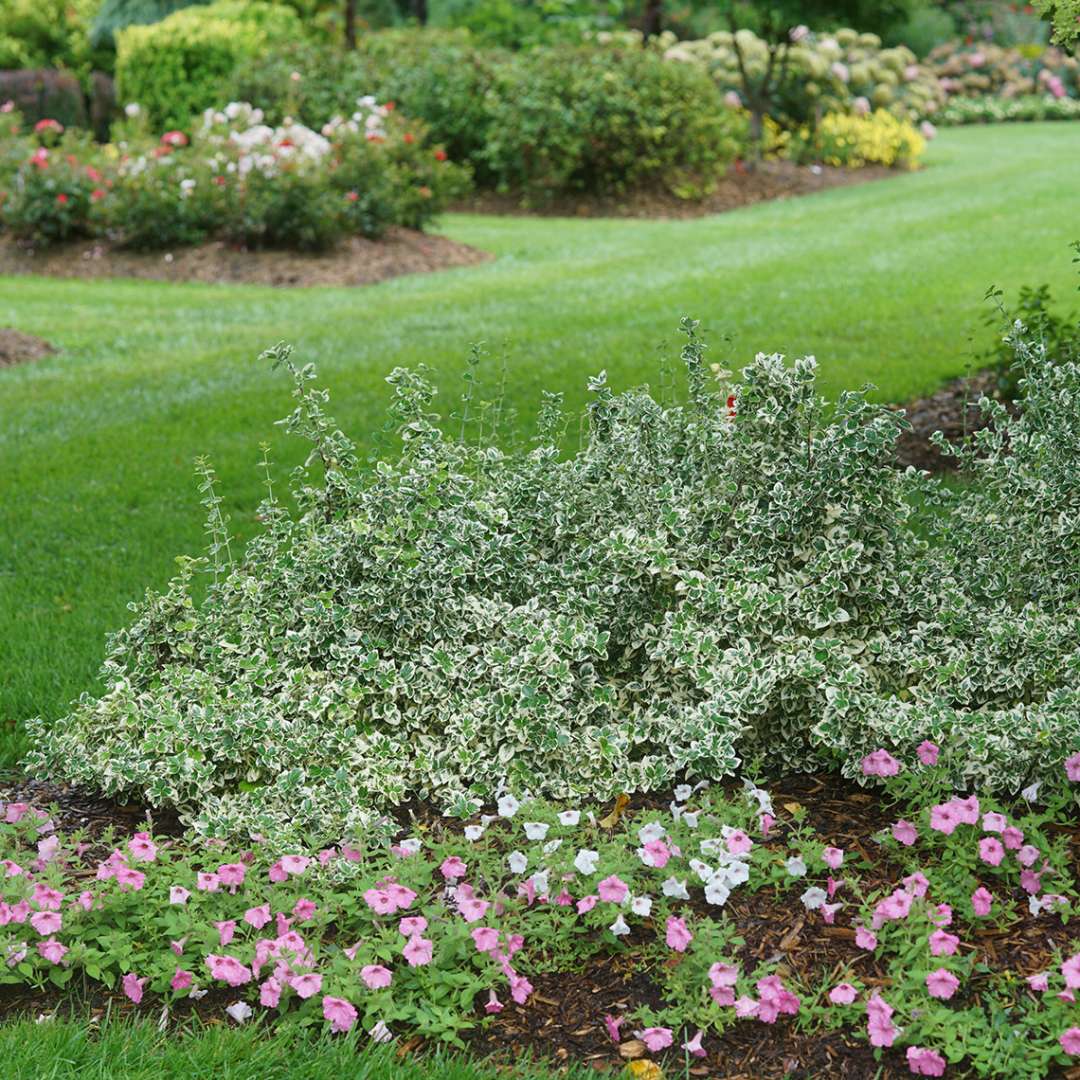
235 178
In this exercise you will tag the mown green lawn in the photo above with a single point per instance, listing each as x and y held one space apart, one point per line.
135 1050
883 282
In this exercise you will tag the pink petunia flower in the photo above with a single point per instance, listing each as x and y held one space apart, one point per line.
418 951
1027 855
693 1046
376 977
1070 969
865 939
587 903
833 857
879 1023
923 1061
142 848
981 901
494 1005
942 984
928 752
46 899
612 1024
1039 983
226 928
612 889
304 909
228 969
880 763
306 985
520 988
412 924
207 882
47 922
904 833
50 950
178 894
1070 1041
656 1038
339 1012
944 818
127 878
257 917
232 875
1072 770
182 979
133 986
994 823
678 937
738 843
991 851
485 938
942 943
843 994
270 993
1012 838
453 868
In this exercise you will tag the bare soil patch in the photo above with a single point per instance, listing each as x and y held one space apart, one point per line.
358 261
19 348
741 186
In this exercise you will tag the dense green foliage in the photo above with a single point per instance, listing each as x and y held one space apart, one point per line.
174 69
114 15
554 120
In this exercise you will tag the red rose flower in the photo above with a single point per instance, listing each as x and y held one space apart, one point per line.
62 199
440 154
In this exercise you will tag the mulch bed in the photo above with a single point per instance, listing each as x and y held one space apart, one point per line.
742 186
563 1019
19 348
356 262
953 410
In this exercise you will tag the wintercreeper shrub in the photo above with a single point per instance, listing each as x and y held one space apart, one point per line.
736 575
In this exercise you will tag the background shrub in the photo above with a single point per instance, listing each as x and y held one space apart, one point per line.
114 15
176 68
605 120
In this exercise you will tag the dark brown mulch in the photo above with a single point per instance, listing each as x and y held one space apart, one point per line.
19 348
740 187
953 410
356 262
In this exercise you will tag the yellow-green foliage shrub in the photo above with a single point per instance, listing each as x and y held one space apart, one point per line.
175 68
852 141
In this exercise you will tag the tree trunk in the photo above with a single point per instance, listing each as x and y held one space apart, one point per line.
653 18
420 11
350 24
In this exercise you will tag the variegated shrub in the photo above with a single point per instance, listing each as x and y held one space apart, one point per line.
736 576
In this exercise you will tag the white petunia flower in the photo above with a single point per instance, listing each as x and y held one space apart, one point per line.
813 898
703 870
619 927
691 818
716 892
540 882
517 862
586 861
641 905
380 1033
795 866
473 832
536 830
131 109
552 846
675 889
411 846
734 872
570 817
683 792
508 806
240 1011
652 831
1031 793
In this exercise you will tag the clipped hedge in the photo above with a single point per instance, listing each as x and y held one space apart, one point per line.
176 68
